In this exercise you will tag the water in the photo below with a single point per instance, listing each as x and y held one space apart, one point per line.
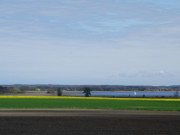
108 93
133 94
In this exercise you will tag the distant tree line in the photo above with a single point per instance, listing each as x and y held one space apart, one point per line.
115 88
9 90
51 88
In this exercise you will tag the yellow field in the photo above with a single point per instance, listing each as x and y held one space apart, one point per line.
63 97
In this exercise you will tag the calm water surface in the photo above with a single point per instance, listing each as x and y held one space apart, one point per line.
107 93
134 93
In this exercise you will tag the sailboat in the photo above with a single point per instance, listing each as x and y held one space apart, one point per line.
134 93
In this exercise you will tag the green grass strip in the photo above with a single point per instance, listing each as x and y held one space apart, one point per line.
30 103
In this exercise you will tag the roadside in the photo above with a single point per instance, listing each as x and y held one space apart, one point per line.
86 112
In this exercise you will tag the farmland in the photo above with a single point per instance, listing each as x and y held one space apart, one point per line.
88 115
89 103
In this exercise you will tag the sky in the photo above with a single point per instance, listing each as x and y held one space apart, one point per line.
92 42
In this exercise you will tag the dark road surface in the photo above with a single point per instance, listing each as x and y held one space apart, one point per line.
88 122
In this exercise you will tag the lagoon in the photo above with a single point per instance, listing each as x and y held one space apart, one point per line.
129 93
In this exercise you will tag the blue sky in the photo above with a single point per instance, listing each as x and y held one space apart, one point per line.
122 42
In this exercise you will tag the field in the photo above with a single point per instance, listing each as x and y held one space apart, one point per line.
89 103
27 115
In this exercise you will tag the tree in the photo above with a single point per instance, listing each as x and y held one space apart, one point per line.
59 92
87 91
16 90
3 89
176 94
37 89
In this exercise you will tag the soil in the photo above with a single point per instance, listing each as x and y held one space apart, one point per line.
88 122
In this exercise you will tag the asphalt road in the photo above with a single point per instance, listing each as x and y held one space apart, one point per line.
88 122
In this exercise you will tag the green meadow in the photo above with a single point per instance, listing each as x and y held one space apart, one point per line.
89 104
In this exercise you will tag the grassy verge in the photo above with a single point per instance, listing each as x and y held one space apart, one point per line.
89 104
104 98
